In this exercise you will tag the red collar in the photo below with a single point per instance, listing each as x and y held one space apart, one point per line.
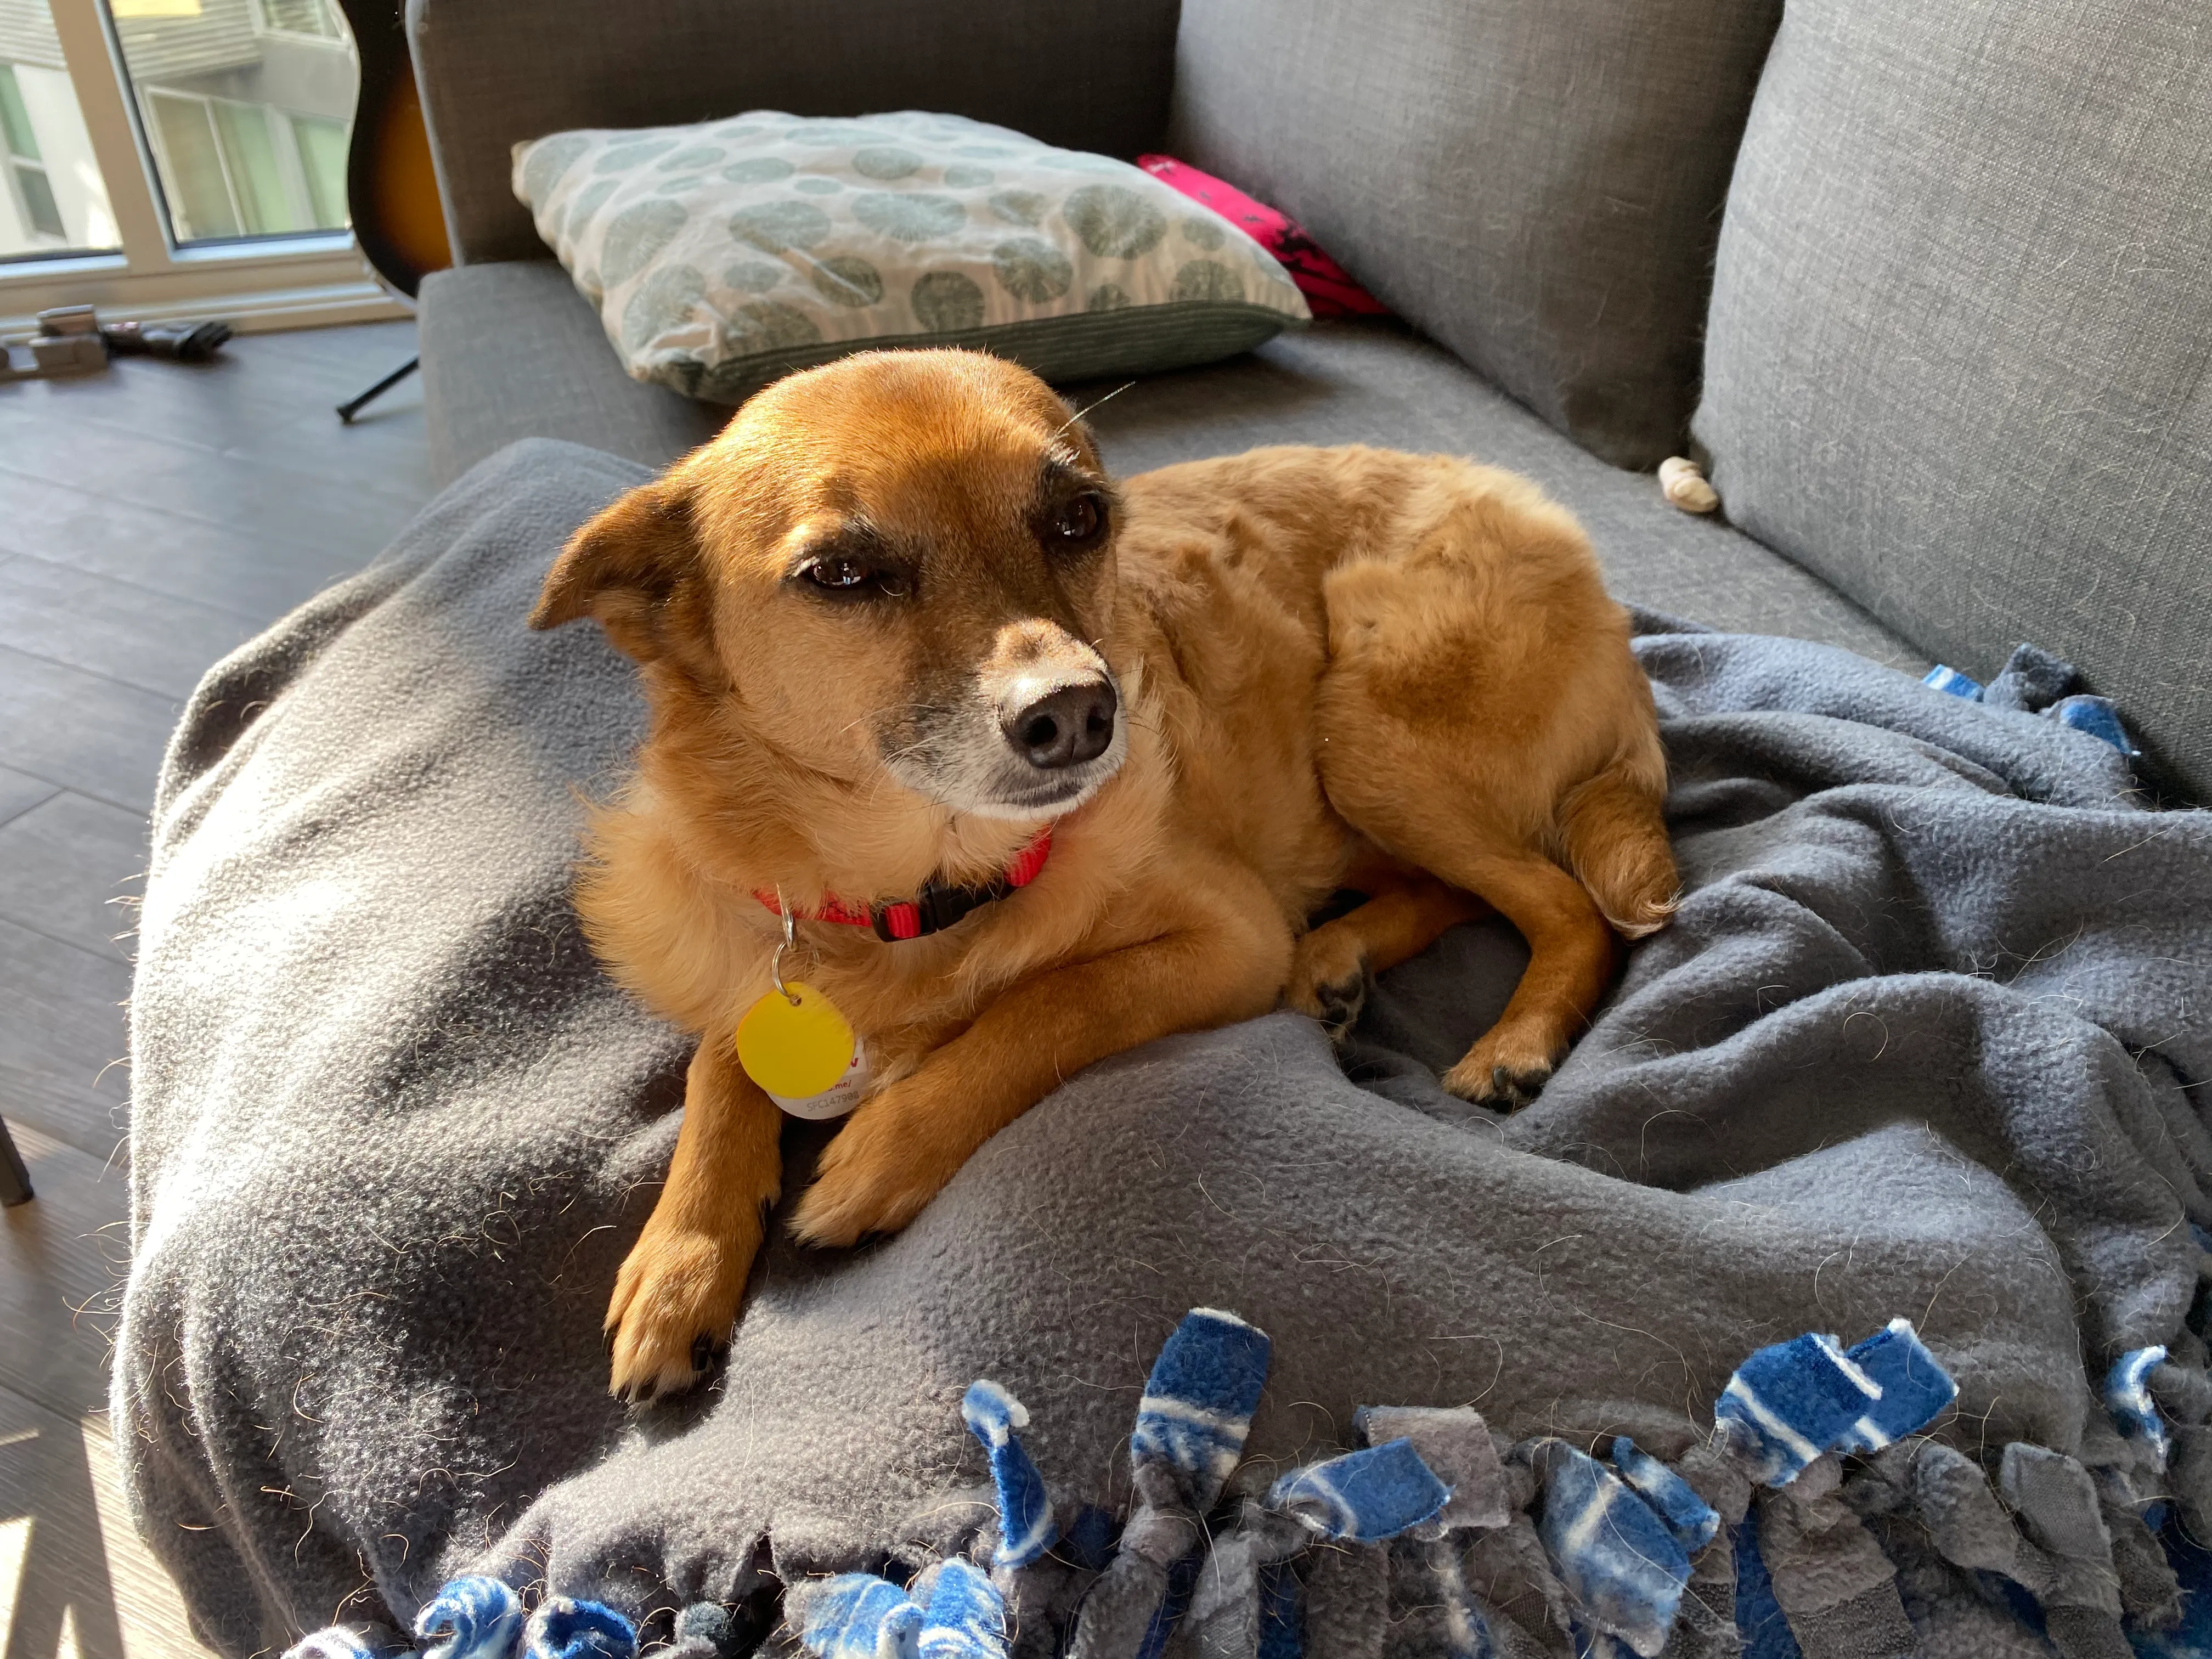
936 908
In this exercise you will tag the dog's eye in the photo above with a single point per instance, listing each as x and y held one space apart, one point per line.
1080 520
839 573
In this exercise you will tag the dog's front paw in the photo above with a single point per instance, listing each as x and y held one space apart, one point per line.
1502 1070
872 1178
675 1302
1329 981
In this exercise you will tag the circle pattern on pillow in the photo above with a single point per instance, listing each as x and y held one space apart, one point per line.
1030 268
947 302
635 235
625 158
846 279
777 227
1208 279
885 162
547 160
911 217
667 298
1020 207
588 202
772 237
1114 223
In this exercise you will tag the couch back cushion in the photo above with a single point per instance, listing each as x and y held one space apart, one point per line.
1956 361
1084 73
1536 184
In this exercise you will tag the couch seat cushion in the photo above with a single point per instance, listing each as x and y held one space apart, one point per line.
511 350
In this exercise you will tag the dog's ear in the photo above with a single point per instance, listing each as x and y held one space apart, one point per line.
624 567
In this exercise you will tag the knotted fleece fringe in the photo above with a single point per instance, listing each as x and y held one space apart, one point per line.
481 1618
1343 1555
2036 681
1406 1544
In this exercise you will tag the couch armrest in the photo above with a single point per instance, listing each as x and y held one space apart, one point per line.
1088 74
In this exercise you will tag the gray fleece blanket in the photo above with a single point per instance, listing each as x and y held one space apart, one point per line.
1929 1039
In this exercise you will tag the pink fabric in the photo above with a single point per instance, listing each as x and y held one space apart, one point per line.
1329 291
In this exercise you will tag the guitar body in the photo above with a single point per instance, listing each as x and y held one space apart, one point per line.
392 188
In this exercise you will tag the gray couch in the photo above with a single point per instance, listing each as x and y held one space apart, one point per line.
1929 289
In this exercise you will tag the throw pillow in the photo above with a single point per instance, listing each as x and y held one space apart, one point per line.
1327 287
725 255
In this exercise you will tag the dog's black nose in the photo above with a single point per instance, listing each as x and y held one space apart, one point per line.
1073 724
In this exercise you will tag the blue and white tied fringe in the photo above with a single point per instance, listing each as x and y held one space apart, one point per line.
1363 1497
1191 1425
965 1617
1691 1519
1614 1553
347 1642
473 1618
1025 1524
563 1628
478 1617
1789 1403
855 1615
2127 1396
2036 681
1915 1389
1619 1535
1198 1403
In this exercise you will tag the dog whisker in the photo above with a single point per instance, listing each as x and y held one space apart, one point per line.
1088 407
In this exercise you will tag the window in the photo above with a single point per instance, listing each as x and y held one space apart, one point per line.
322 146
176 154
34 193
248 106
240 169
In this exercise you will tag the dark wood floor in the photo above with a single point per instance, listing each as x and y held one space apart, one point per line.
150 519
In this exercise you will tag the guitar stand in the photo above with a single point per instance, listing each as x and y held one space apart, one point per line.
348 409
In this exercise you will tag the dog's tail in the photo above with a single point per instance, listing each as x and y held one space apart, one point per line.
1613 837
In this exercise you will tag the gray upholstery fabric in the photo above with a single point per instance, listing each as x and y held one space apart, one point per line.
1537 186
1087 74
393 1130
1957 361
510 351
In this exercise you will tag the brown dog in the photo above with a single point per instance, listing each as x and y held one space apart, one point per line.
896 623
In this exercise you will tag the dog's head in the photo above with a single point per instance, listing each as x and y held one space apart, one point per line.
901 563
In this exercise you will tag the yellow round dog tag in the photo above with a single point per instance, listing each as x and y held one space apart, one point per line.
802 1053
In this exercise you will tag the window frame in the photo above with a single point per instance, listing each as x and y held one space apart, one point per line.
264 282
257 12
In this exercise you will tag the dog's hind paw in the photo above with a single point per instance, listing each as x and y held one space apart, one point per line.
1502 1072
1507 1090
1337 1005
1329 985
